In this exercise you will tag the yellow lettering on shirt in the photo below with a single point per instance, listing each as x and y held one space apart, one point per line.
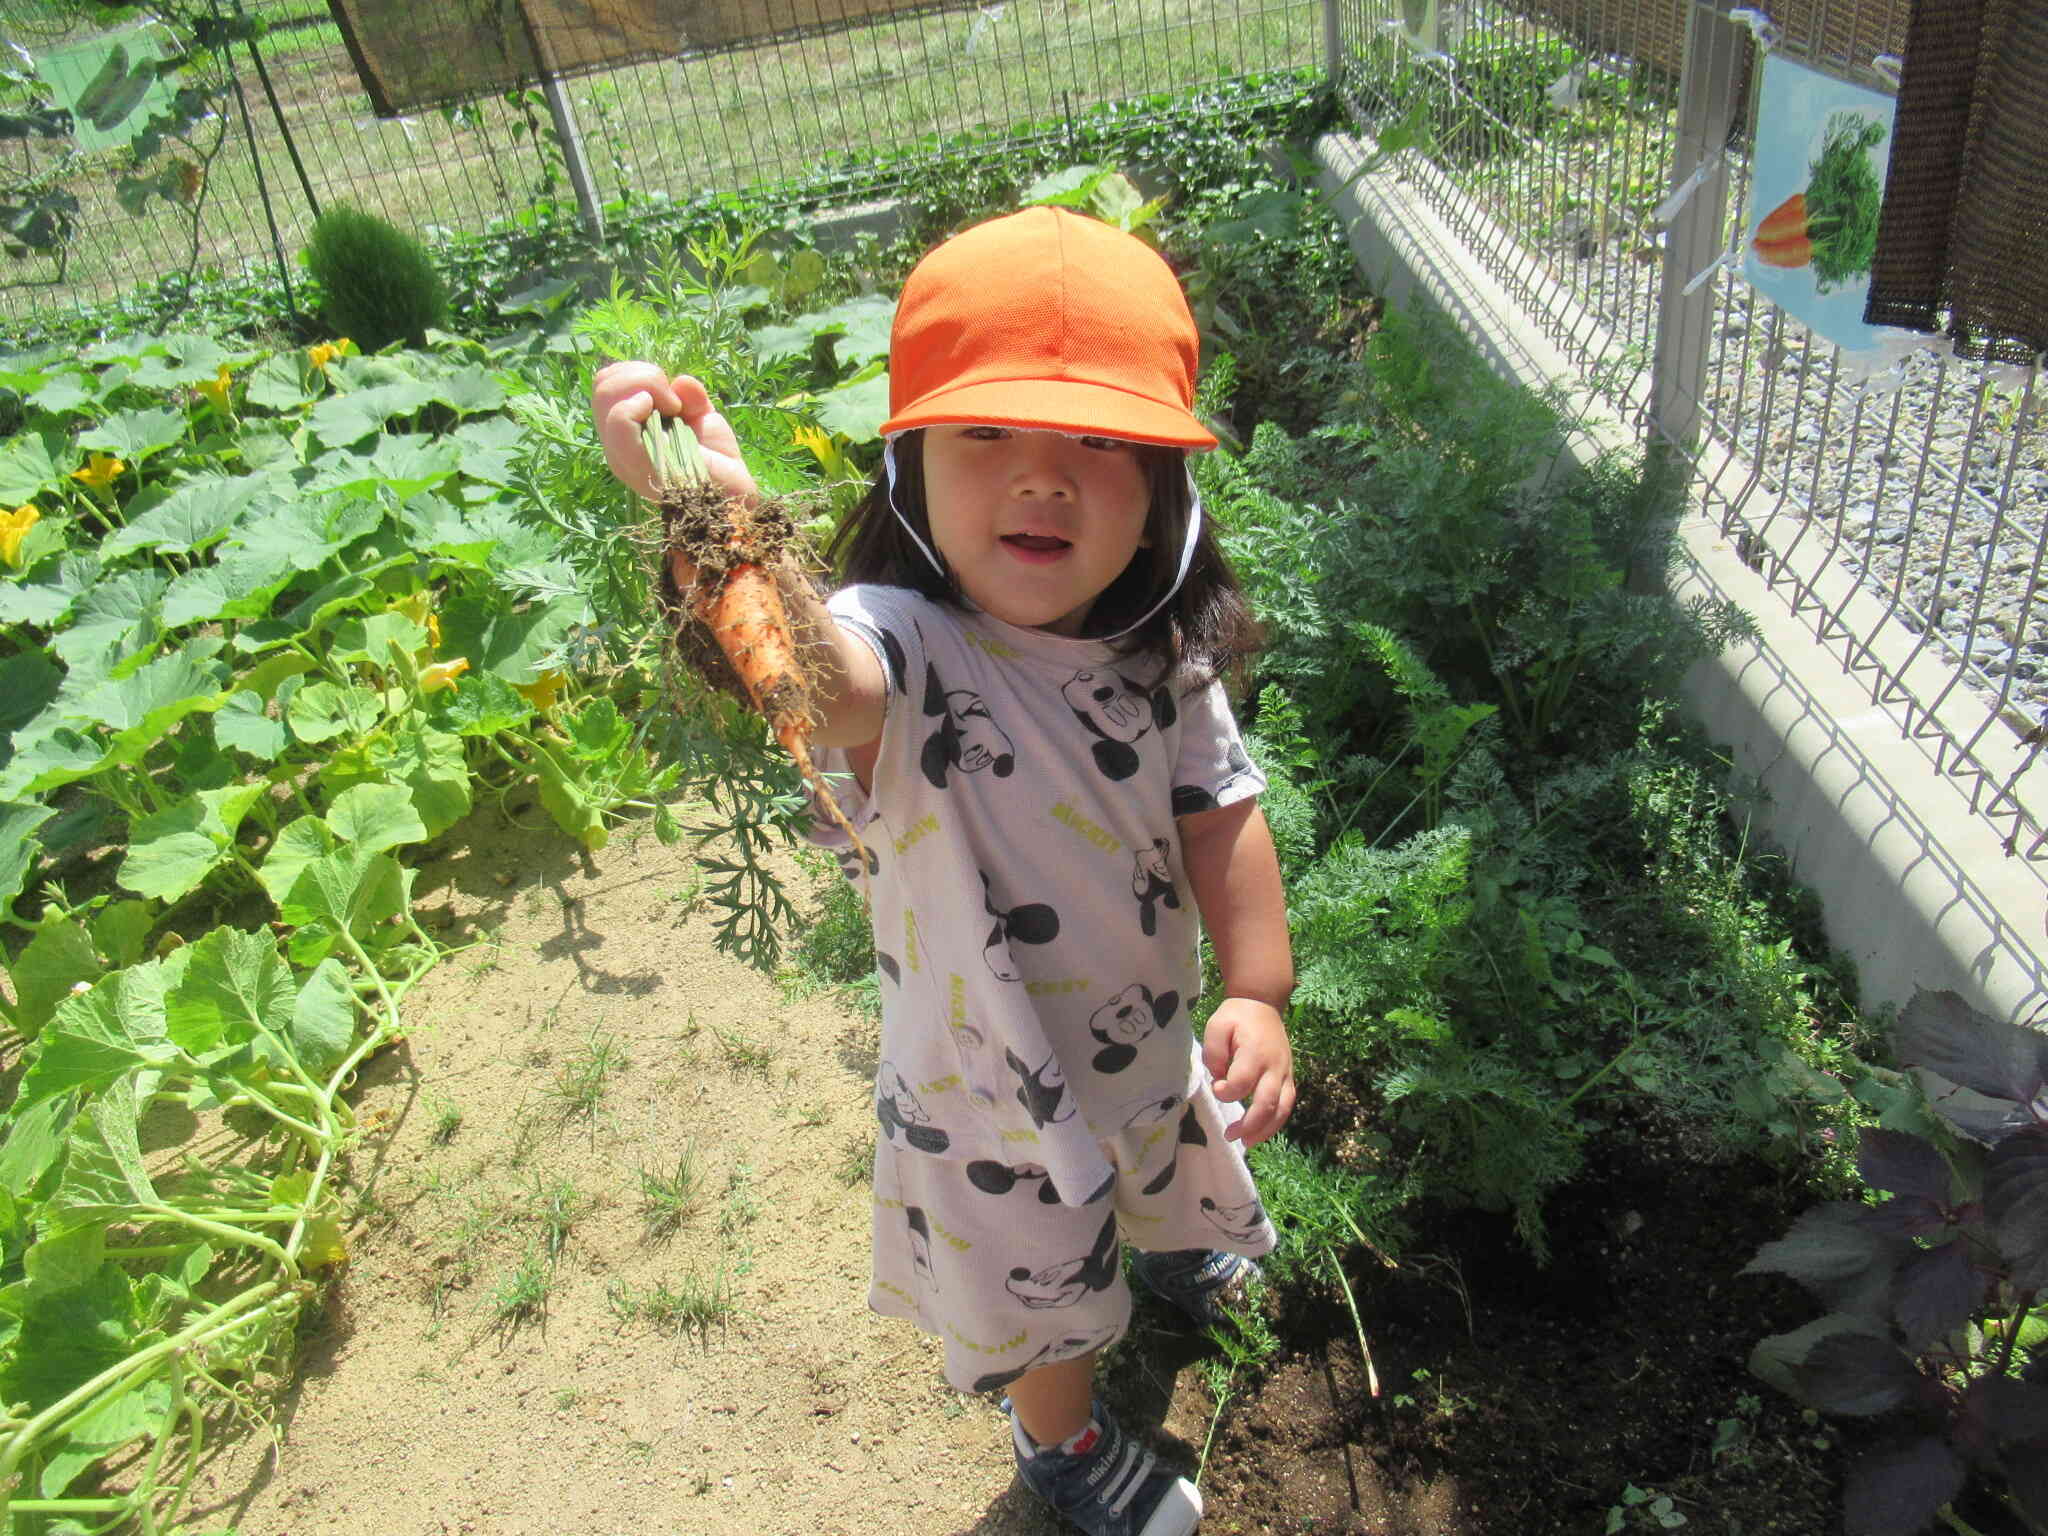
1067 816
988 644
1058 988
958 1244
927 823
1015 1341
956 1017
1020 1135
910 939
940 1084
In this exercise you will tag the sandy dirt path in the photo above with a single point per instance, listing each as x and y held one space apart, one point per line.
512 1350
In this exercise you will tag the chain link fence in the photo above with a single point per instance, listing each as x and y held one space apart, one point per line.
1900 515
291 127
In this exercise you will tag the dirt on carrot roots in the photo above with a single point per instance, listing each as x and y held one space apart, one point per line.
608 1274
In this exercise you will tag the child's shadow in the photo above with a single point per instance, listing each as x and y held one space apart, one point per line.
1016 1511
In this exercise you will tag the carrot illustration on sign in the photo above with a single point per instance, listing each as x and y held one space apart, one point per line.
1831 226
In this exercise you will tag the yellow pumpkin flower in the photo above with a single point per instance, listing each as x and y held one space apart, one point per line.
14 527
327 351
542 692
419 607
217 391
101 471
442 674
826 449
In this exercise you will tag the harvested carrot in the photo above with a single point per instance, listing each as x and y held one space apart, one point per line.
732 624
1784 221
1792 251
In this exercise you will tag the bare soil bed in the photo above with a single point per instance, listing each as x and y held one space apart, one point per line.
513 1348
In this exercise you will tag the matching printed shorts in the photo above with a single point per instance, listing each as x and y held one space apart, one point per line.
985 1257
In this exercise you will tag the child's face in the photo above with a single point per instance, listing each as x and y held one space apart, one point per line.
1034 525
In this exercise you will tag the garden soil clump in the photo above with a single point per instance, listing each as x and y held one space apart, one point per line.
513 1349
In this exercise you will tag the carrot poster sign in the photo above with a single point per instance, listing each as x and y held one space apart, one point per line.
1822 146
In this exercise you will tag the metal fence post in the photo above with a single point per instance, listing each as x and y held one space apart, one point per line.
1333 44
567 134
570 137
1707 106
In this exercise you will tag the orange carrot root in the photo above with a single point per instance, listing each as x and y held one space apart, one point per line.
725 567
743 611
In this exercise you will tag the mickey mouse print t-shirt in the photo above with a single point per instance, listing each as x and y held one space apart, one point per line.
1034 930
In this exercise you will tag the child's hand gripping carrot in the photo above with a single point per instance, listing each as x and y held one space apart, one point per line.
726 550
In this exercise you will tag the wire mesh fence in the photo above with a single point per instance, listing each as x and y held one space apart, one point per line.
1901 513
292 127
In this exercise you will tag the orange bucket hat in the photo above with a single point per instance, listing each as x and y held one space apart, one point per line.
1050 320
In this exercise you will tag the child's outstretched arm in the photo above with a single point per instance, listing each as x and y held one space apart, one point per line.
1235 874
850 684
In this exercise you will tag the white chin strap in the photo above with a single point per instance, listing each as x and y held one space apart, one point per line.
1187 547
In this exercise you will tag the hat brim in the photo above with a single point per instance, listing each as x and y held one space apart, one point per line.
1056 405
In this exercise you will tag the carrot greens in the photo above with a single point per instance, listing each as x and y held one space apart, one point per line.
1843 199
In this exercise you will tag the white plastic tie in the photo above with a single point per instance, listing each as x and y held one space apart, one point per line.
1429 55
985 17
1564 90
1681 194
1888 381
1888 67
1726 259
1884 365
1768 33
2009 375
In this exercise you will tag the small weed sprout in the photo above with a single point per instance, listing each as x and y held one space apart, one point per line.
1642 1509
490 950
689 896
580 1082
522 1296
742 1054
667 1200
856 1160
557 1205
742 1206
447 1121
694 1304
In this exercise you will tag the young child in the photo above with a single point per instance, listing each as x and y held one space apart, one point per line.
1024 686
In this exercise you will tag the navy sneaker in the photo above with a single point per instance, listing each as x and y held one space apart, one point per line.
1199 1281
1109 1484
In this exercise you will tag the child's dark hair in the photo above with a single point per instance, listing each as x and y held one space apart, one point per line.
1206 631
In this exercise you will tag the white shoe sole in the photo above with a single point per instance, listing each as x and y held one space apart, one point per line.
1178 1513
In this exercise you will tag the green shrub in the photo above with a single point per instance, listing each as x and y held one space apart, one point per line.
377 283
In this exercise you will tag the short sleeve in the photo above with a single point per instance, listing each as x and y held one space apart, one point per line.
885 620
1212 768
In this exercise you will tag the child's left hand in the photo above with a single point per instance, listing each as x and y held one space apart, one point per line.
1246 1051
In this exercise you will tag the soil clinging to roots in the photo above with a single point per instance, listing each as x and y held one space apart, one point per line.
715 536
719 536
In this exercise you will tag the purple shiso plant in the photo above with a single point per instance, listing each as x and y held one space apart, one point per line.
1937 1296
